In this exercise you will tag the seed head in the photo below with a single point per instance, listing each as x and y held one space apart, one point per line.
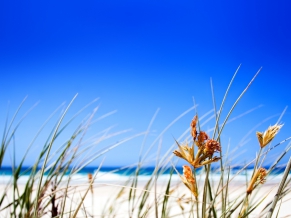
193 127
201 139
189 180
185 152
211 146
206 148
267 136
262 175
188 174
258 178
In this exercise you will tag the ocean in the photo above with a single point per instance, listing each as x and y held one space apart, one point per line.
121 174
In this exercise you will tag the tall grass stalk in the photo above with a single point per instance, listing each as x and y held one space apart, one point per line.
47 156
280 189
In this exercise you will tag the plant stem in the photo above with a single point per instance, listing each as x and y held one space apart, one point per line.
276 198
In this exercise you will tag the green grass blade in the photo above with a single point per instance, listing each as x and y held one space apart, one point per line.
166 196
48 152
236 102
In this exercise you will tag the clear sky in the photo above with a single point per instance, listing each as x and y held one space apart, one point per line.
138 56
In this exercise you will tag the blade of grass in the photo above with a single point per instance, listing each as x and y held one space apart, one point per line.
87 191
236 102
166 197
132 192
156 178
220 151
48 152
161 134
277 216
223 101
254 207
285 175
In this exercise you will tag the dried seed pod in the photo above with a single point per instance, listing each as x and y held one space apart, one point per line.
189 180
258 178
211 146
267 136
185 152
193 127
202 137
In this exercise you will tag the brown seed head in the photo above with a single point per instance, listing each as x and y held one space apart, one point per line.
211 146
189 180
188 173
266 137
258 178
262 175
193 127
202 137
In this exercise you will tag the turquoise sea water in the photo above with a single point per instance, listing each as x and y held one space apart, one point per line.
119 174
122 171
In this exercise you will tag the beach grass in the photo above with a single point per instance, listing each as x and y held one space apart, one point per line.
202 191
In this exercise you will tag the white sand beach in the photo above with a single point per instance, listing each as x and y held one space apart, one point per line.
106 200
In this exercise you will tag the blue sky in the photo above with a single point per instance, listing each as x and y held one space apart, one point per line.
138 56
